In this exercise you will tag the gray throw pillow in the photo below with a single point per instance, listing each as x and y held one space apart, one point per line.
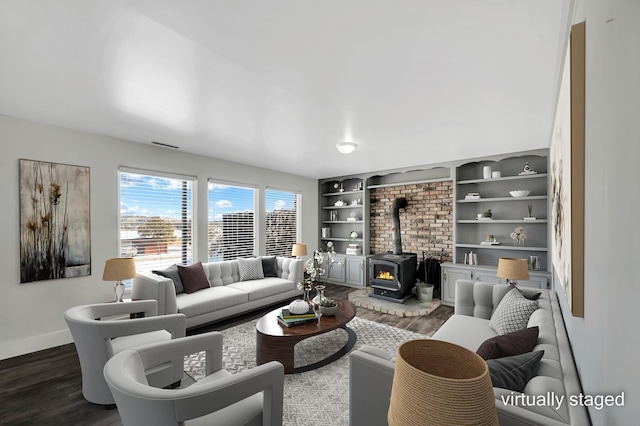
269 266
514 372
250 269
172 272
513 313
529 294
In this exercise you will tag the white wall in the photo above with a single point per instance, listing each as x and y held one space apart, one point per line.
605 341
31 314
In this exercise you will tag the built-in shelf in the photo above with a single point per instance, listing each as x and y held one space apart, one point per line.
490 200
342 221
502 247
475 221
350 206
332 194
502 179
342 239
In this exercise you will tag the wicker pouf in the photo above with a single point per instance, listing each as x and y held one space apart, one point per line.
439 383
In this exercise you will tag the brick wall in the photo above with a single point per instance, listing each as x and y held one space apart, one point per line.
426 224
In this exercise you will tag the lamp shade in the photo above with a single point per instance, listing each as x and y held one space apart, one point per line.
119 268
438 382
299 249
513 269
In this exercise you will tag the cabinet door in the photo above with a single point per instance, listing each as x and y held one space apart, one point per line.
337 274
486 276
355 271
533 283
449 278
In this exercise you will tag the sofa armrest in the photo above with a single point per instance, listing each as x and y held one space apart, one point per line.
290 269
370 380
147 285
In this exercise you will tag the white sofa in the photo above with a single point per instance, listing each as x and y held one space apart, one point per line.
371 370
226 295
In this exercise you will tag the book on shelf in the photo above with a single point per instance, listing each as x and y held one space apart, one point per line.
292 322
285 314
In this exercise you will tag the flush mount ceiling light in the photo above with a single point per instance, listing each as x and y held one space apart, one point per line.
346 147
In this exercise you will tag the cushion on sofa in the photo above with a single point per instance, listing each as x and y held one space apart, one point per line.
509 344
269 266
193 277
172 273
529 294
514 372
260 289
209 300
465 331
250 269
513 313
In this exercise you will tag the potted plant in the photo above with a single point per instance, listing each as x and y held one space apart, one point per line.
328 306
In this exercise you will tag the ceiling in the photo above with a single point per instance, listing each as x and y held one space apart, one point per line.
278 83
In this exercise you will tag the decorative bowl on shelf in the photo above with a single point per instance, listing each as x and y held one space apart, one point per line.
519 193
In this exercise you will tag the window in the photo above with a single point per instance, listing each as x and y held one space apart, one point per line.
232 224
281 221
156 219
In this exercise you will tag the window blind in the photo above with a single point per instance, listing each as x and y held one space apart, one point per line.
156 219
282 221
232 222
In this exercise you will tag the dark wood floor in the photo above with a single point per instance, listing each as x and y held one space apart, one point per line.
45 388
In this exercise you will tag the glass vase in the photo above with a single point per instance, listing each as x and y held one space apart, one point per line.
319 294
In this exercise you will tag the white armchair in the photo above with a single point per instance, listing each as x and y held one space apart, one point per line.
251 397
101 330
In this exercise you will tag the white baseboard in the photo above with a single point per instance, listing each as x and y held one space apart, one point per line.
19 347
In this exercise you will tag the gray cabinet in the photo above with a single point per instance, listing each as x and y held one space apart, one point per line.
453 272
356 268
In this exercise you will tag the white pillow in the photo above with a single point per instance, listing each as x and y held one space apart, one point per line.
250 269
513 313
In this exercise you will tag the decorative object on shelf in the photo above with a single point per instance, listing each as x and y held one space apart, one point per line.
118 269
328 306
339 203
530 210
472 196
490 240
346 147
326 232
355 202
353 216
519 193
527 170
512 269
333 215
488 214
534 263
519 235
496 175
486 172
353 249
470 258
434 379
353 235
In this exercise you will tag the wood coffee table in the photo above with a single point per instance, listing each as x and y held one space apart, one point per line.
275 342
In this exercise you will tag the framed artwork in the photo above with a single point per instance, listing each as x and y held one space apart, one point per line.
55 228
567 175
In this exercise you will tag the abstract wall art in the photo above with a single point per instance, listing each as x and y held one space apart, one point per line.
55 228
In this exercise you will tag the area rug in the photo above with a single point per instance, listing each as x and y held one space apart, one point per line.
318 397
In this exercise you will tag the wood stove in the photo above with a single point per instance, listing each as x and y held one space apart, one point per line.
392 276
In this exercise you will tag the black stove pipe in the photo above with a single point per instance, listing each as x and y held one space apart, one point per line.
398 203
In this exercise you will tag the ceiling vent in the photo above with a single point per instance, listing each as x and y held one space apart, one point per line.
166 145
